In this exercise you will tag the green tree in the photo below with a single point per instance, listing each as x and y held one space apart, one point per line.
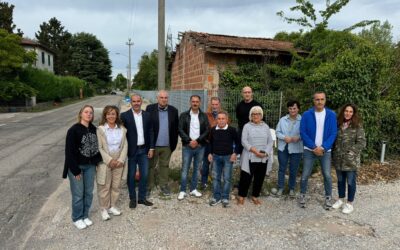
54 36
147 78
6 18
12 55
90 61
310 19
120 82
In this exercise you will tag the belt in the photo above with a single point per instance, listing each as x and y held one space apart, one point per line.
141 146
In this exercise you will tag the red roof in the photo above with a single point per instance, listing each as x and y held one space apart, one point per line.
34 43
244 43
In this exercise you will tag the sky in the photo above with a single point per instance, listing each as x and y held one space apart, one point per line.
114 21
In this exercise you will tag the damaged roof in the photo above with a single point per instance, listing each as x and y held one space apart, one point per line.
219 43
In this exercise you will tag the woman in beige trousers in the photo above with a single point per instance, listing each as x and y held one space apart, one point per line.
112 170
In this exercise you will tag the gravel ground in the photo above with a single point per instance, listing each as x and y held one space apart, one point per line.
192 224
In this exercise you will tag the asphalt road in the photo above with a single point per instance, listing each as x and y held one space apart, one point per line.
31 163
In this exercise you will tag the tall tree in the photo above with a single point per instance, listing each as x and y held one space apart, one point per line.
54 36
6 18
146 77
89 60
120 82
310 19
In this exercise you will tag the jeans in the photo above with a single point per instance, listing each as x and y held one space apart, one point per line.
351 177
308 162
82 191
189 154
221 166
294 161
205 169
139 159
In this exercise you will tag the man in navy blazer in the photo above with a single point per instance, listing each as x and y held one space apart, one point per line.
140 148
165 123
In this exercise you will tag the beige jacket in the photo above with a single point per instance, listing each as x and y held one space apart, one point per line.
105 154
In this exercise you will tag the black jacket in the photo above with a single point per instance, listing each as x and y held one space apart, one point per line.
184 127
131 134
173 123
81 147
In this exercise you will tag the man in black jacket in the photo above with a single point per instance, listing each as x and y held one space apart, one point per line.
193 130
140 148
165 121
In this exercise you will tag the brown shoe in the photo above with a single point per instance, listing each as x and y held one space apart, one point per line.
240 200
255 201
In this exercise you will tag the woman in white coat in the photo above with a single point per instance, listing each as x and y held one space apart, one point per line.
112 170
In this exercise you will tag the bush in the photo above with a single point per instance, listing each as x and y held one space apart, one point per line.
51 87
15 90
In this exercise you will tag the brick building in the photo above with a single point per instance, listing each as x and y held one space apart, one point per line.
200 56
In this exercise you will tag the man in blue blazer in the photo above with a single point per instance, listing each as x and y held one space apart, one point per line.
140 148
318 130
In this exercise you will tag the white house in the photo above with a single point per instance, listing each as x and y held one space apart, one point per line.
44 56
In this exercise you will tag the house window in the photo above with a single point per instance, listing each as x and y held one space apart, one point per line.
43 58
48 60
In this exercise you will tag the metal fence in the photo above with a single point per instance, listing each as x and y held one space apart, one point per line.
270 100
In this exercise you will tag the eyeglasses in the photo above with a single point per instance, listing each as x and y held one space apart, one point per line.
256 114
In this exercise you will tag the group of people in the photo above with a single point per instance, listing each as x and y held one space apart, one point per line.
136 146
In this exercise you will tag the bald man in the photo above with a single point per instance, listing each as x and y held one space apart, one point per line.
165 121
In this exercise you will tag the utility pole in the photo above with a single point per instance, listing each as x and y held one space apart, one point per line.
161 44
129 43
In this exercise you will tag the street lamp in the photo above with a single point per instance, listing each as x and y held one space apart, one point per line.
128 80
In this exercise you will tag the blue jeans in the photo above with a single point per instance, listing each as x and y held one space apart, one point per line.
139 159
308 162
82 191
294 161
189 154
351 177
221 165
205 169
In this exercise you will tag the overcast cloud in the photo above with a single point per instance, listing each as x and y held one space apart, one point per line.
113 22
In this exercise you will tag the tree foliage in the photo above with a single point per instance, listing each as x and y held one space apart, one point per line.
89 60
120 82
6 18
147 76
54 36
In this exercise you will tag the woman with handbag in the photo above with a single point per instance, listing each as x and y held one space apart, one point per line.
112 170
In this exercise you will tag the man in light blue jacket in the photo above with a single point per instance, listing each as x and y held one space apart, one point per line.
318 130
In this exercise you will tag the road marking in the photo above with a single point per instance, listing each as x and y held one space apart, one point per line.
2 124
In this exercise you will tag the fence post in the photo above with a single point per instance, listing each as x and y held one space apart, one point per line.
280 105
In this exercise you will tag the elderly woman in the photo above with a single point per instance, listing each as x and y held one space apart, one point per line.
290 147
257 147
113 148
346 155
81 156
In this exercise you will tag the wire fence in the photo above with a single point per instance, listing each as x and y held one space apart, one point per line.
180 99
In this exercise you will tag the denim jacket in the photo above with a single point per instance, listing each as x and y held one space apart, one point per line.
288 127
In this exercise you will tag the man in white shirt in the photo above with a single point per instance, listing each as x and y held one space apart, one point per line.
318 130
193 130
140 148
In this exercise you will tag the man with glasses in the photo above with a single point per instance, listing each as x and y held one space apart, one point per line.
318 130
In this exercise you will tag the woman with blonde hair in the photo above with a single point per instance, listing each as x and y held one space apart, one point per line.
81 156
257 148
113 147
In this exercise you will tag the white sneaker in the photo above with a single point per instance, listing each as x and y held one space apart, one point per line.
104 214
338 204
347 208
195 193
181 195
80 224
88 222
114 211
